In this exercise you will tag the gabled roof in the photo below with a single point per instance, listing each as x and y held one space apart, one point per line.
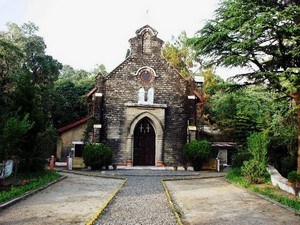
91 91
72 125
146 28
198 96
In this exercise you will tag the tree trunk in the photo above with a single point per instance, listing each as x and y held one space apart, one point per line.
297 100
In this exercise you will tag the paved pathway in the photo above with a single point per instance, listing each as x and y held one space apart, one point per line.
215 201
142 200
74 200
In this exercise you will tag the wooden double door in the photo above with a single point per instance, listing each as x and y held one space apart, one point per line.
144 144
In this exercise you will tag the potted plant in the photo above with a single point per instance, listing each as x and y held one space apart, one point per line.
196 152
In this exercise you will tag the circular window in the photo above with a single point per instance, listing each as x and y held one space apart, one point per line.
146 76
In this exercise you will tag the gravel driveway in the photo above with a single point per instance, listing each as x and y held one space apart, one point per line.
74 200
215 201
142 201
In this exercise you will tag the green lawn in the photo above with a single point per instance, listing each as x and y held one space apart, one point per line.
25 182
265 189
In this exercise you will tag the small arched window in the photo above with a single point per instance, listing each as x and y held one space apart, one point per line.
141 95
150 96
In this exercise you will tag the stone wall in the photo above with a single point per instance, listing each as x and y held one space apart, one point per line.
66 138
122 85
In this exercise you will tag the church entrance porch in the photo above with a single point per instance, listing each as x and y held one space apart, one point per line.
144 144
145 134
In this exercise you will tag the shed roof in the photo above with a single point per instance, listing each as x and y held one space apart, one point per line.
91 91
70 126
224 144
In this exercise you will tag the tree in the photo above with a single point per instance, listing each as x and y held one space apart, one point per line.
255 170
10 55
180 55
70 104
31 93
240 113
12 136
261 35
99 69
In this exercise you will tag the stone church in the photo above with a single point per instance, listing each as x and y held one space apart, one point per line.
144 109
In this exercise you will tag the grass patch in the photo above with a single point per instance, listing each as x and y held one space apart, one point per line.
33 181
266 190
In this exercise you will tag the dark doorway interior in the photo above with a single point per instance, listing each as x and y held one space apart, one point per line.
144 144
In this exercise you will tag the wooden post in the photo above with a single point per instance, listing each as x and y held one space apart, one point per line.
52 162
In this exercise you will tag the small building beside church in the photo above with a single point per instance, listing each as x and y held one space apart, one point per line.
144 109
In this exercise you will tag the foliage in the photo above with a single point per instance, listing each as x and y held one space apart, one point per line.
71 101
100 70
180 55
283 139
248 33
255 170
260 35
46 141
89 129
239 158
241 112
293 176
235 175
13 134
36 181
97 155
10 55
195 151
31 74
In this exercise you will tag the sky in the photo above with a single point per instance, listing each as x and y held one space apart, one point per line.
84 33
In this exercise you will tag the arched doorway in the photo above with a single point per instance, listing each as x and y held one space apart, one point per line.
144 144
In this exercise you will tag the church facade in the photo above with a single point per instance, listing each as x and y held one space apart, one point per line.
141 109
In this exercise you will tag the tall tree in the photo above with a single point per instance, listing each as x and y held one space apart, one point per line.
10 56
180 55
33 73
263 35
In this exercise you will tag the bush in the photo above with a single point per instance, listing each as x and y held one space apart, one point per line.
293 176
288 164
196 151
239 159
255 170
97 155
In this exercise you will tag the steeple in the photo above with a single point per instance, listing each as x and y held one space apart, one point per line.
145 42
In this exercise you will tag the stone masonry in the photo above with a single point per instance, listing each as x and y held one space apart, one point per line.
121 109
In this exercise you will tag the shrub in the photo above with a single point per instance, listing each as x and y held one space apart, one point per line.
293 176
97 155
255 170
196 151
288 164
239 159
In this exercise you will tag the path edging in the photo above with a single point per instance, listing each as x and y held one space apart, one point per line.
89 174
297 212
29 193
174 209
106 203
167 193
